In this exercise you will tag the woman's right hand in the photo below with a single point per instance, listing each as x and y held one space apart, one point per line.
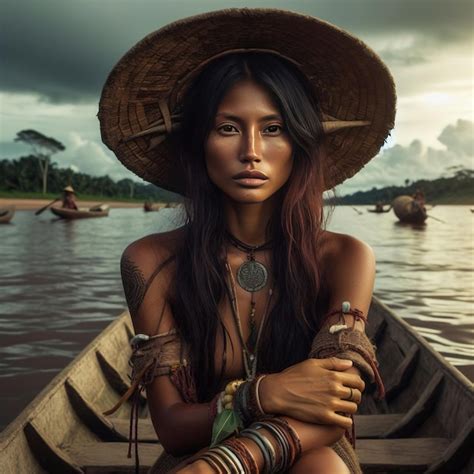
314 391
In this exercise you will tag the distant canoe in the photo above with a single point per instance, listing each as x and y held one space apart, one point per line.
425 422
102 211
408 210
155 207
380 211
6 214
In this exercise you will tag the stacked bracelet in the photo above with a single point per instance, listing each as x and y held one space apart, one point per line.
287 448
247 402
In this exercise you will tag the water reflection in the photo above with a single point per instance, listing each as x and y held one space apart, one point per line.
60 284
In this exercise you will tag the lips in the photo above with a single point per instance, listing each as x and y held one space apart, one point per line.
251 174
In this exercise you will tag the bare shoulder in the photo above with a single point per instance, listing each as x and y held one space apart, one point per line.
348 268
148 260
150 250
342 249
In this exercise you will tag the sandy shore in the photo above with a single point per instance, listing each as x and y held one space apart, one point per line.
29 204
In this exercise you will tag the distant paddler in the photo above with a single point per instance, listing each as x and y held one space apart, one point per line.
69 198
410 210
379 208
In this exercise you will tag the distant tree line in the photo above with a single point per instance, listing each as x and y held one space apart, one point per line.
25 174
456 189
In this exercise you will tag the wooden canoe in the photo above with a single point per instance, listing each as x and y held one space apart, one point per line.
380 211
6 214
153 207
408 210
102 211
425 424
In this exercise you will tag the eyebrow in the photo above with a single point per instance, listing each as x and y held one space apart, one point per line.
236 118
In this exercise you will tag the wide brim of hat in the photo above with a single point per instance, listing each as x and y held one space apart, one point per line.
351 82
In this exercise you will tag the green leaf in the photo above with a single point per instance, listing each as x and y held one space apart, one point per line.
226 423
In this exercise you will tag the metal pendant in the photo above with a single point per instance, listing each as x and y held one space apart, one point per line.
252 276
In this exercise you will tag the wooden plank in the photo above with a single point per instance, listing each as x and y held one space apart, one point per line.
97 458
419 412
409 454
458 453
94 420
48 455
146 431
114 377
402 374
375 426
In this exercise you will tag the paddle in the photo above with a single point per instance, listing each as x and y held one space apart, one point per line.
357 210
436 219
37 213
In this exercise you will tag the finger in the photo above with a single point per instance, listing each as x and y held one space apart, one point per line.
355 396
342 421
351 380
345 406
333 363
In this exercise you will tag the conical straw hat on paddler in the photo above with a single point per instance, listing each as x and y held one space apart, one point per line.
141 99
69 189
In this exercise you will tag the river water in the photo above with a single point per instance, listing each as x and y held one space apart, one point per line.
60 285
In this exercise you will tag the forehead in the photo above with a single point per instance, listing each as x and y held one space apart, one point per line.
248 97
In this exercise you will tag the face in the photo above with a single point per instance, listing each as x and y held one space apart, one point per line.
248 152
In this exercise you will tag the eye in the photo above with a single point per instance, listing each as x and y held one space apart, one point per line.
274 129
227 129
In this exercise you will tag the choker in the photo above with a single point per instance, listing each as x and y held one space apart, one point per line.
252 276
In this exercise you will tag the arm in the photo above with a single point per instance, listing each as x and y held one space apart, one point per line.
305 392
310 394
181 427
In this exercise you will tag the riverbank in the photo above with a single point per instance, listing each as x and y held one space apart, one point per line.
35 204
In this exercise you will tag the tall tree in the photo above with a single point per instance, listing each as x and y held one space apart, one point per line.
43 148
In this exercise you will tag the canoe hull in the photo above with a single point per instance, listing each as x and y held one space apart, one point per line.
408 210
424 420
80 214
6 214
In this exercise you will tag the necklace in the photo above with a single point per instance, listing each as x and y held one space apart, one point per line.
252 276
249 348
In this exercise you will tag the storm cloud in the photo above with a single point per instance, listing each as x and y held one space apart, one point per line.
63 50
417 161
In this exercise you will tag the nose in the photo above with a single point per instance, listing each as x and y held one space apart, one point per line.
251 146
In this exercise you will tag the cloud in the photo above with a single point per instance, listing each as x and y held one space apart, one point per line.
90 157
64 50
416 161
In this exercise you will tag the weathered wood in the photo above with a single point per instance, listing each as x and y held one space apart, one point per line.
401 377
112 457
399 455
374 426
94 420
51 458
424 409
458 452
146 431
419 412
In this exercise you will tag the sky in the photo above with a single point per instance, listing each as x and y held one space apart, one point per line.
56 55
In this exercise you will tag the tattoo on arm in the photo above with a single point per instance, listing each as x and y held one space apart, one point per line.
134 284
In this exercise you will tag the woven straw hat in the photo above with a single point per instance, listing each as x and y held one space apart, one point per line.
69 189
140 100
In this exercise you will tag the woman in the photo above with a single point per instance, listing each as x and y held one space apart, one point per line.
252 285
69 198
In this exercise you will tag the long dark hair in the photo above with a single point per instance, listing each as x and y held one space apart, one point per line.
294 228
